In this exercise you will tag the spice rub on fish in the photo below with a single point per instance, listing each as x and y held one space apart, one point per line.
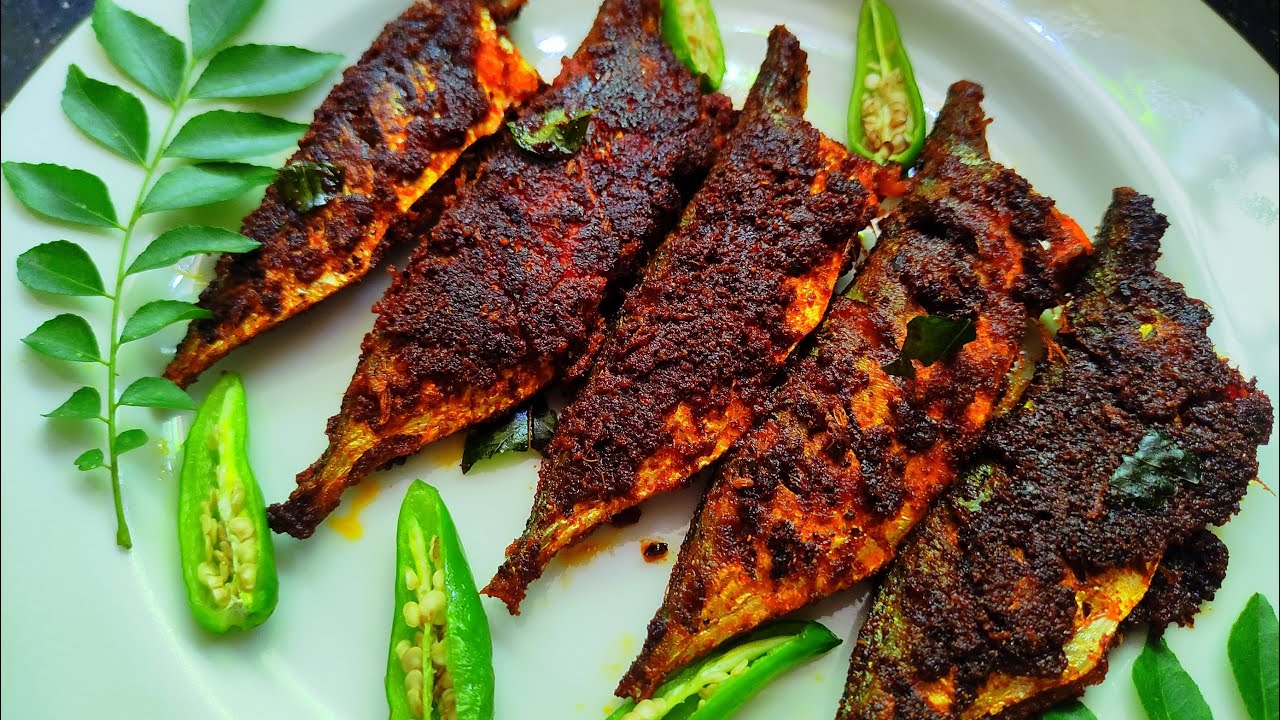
1128 443
438 78
729 294
820 493
506 293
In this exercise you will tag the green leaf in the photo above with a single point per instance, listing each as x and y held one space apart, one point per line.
128 440
1073 710
186 241
204 184
90 459
929 339
530 427
307 185
1155 472
157 315
106 113
84 404
62 193
1253 648
229 135
215 22
249 71
60 267
1166 690
65 337
156 392
141 49
554 134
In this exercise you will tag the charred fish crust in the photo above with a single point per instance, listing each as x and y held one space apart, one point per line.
725 299
436 79
849 457
504 292
1011 592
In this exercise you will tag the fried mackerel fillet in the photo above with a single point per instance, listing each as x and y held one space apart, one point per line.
819 494
438 78
506 293
727 297
1129 442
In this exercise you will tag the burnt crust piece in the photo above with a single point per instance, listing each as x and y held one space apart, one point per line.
507 291
820 493
1009 597
437 79
726 298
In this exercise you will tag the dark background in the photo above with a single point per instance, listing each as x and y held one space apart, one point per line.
32 28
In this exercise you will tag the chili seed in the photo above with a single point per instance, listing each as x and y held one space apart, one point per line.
412 614
410 579
402 647
412 659
433 607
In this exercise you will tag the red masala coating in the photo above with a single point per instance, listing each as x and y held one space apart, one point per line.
728 295
820 493
976 617
506 292
437 79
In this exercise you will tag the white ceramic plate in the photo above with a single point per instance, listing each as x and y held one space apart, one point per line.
1085 95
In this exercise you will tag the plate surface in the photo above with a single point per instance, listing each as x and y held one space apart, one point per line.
1085 96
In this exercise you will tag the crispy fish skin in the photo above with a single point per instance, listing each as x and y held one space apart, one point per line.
506 293
820 493
438 78
728 296
1008 599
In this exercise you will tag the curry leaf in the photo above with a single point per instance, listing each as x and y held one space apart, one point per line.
128 440
247 71
1252 647
530 427
90 459
307 185
156 392
215 22
931 338
1074 710
65 337
554 134
186 241
84 404
62 193
157 315
230 135
1166 690
141 49
1155 472
60 267
106 113
204 184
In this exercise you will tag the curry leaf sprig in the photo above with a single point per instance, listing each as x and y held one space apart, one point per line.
117 119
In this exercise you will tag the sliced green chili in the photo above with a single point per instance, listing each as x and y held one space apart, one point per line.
228 563
886 114
718 685
440 665
691 30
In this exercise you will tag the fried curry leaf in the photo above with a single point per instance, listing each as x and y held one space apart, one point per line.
554 134
307 185
530 427
1166 690
1074 710
931 338
1254 658
1152 474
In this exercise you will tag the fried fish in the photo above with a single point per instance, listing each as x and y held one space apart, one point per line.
506 293
438 78
1129 442
729 294
821 492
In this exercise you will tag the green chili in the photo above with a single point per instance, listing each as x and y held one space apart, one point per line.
716 686
886 114
228 563
690 28
440 665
